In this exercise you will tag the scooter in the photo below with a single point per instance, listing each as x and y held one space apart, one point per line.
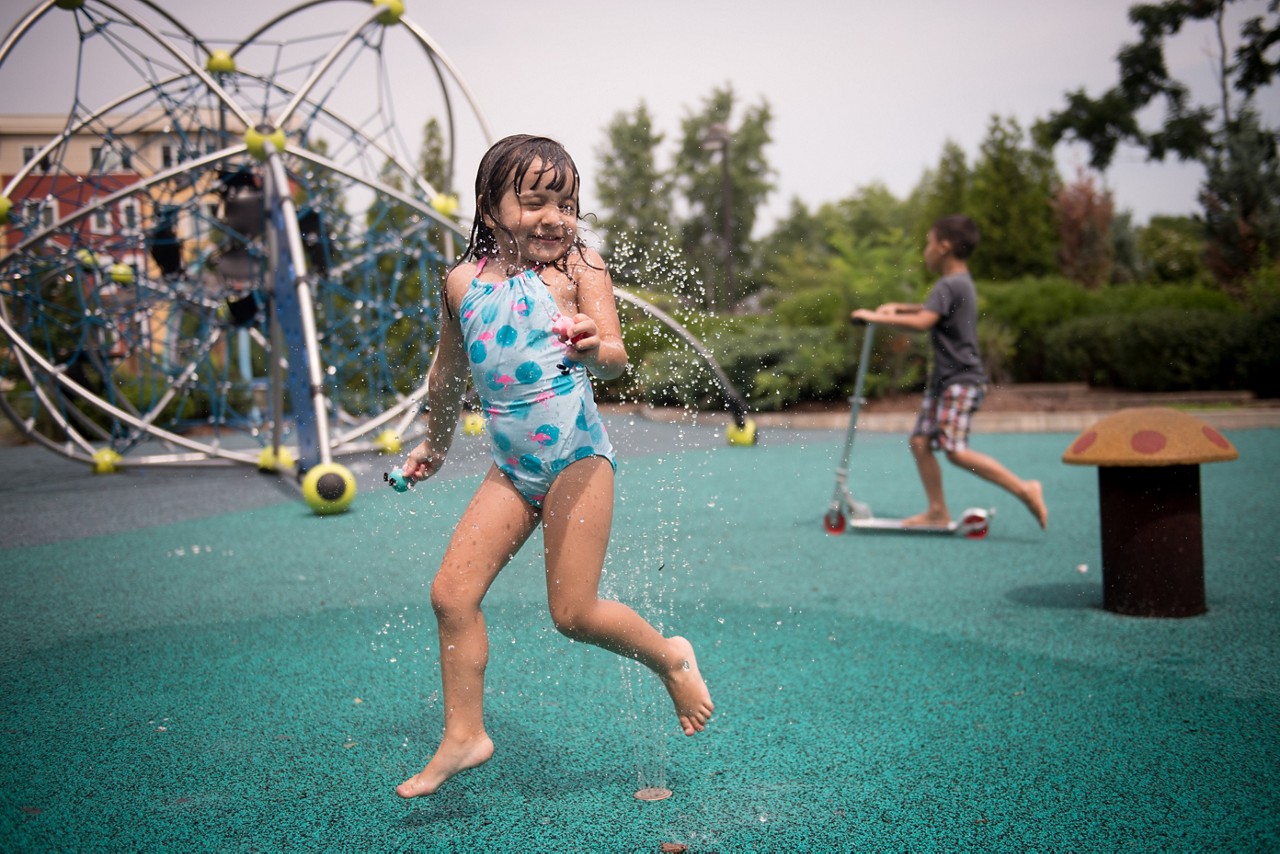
844 511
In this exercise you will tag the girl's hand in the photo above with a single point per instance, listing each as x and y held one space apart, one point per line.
422 463
581 336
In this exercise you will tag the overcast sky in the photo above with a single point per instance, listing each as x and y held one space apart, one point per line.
861 90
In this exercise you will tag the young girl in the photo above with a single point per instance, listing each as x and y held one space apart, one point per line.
530 310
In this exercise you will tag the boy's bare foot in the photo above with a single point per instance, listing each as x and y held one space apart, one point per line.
1034 499
928 518
687 689
450 759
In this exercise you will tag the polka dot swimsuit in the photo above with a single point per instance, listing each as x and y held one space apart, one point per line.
538 406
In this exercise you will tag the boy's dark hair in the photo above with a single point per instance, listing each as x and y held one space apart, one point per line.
958 230
509 159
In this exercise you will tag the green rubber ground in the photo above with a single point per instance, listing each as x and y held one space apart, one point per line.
260 680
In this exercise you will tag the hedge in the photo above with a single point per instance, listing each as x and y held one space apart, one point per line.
1168 350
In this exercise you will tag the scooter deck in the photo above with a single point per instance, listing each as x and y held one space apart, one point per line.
973 523
875 524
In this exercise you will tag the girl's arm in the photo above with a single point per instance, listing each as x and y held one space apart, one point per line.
596 338
446 381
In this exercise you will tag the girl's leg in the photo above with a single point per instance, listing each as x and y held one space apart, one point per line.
490 532
576 519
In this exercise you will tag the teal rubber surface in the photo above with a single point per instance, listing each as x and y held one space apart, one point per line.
261 679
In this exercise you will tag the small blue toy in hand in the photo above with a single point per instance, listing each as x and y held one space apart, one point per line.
399 481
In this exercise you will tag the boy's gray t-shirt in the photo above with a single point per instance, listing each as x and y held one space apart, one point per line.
955 336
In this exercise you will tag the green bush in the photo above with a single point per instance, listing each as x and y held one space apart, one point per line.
1140 337
649 340
1034 307
770 365
1158 350
811 307
1260 353
1030 307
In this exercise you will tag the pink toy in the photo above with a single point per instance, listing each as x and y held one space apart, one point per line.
563 326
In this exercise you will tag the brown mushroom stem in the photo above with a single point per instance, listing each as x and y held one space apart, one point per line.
1148 461
1152 545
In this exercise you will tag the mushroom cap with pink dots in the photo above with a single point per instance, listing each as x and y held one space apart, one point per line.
1149 436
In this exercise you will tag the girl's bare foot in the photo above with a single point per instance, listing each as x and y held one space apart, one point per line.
1034 499
450 759
929 518
687 689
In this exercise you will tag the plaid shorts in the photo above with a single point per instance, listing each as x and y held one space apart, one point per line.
946 420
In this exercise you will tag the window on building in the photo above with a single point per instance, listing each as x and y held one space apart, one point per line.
100 220
39 211
129 216
29 154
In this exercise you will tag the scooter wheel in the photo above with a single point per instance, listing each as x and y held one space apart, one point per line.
978 525
834 522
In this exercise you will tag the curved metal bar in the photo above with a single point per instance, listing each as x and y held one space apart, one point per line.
67 449
288 13
457 77
131 190
72 129
199 42
378 186
431 50
199 72
114 411
106 109
19 29
321 69
732 398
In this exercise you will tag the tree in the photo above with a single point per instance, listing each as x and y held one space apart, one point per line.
716 236
946 189
1083 213
1172 248
1241 200
1239 154
432 164
800 238
636 194
1127 265
434 168
1009 198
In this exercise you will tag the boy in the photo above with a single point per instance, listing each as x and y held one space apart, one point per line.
958 382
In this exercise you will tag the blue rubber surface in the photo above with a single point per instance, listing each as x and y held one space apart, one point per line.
260 679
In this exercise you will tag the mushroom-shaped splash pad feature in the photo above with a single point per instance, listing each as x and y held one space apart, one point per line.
1148 463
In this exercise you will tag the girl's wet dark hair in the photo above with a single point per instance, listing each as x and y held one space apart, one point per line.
508 160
